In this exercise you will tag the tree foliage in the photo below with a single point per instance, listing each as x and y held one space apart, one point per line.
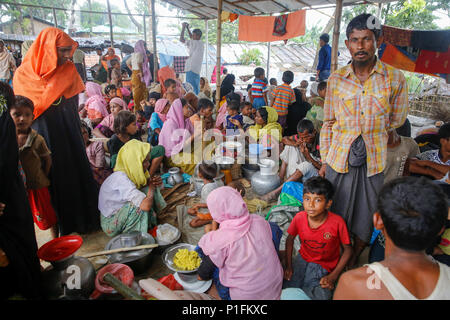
251 56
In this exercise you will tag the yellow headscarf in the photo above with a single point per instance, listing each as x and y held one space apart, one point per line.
130 159
272 127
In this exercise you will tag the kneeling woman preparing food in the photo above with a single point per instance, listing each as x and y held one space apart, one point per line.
129 198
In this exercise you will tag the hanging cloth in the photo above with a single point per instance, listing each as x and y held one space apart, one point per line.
279 28
260 29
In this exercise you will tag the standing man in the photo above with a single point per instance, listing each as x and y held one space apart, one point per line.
196 48
102 74
80 63
7 64
364 100
323 67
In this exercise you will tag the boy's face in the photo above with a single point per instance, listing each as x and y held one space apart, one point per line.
315 204
152 102
132 129
306 137
362 45
231 112
112 94
22 117
322 93
304 84
115 108
117 66
172 88
247 110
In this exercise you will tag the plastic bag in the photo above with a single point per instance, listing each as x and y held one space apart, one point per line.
170 282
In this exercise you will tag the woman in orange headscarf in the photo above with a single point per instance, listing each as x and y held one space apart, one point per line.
106 59
49 78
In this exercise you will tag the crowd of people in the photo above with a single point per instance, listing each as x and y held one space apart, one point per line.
79 156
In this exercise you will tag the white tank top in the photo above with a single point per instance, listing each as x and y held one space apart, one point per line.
399 292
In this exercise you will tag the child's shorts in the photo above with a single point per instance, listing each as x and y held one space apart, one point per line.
41 207
258 103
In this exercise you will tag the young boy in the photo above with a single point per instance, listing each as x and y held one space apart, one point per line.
247 115
258 91
322 235
283 96
272 86
300 157
36 161
149 106
115 74
411 213
205 110
315 114
234 120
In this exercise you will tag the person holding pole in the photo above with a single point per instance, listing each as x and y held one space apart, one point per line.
196 49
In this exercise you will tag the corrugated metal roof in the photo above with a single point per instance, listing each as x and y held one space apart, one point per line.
207 9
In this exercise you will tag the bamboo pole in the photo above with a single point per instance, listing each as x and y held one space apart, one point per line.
268 60
106 252
207 51
55 20
155 55
110 24
337 27
218 51
121 288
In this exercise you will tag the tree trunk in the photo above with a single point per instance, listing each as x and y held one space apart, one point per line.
33 31
327 29
20 20
89 16
137 24
72 17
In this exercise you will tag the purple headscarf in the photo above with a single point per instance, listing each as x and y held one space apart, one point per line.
140 47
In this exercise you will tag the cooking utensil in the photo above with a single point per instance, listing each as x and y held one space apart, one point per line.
170 253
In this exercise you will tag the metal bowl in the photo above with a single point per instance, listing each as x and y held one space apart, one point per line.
225 163
169 254
138 260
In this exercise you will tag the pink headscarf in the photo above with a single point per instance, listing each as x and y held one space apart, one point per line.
222 115
140 47
119 101
242 248
159 107
170 136
125 92
96 100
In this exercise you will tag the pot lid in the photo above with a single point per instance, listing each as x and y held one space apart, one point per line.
60 248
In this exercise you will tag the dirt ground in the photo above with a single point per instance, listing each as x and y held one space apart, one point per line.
97 241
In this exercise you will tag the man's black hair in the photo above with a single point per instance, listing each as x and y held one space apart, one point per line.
234 105
319 186
154 95
444 131
198 32
169 82
258 72
325 37
413 211
305 124
365 21
288 77
244 104
273 81
205 104
322 85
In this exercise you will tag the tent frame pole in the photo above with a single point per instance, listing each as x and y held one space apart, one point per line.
219 47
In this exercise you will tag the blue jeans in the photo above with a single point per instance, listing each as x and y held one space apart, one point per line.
323 75
194 79
258 102
306 276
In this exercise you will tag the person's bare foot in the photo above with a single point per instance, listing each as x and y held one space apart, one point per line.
269 197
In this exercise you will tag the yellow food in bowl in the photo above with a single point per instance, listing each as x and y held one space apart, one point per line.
187 260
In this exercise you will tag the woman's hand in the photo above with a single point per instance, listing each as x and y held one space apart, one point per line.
322 170
236 123
155 181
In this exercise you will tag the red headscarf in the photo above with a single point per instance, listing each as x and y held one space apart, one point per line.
40 78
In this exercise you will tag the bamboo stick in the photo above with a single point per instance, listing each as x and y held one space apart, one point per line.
106 252
336 31
121 288
218 52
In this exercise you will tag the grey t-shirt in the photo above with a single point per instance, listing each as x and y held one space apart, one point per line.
396 158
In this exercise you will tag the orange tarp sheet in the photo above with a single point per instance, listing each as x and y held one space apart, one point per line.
260 29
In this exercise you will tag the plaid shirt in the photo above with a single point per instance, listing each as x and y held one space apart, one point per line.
179 64
370 110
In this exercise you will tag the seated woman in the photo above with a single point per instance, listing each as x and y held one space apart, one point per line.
157 120
205 110
177 135
205 88
96 155
206 172
96 105
129 198
241 248
267 131
105 129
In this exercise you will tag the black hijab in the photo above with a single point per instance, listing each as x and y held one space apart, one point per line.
296 112
227 85
17 237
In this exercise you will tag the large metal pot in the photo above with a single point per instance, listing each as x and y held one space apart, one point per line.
248 170
267 179
139 260
175 176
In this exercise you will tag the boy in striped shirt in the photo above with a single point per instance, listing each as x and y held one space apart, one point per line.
258 91
283 96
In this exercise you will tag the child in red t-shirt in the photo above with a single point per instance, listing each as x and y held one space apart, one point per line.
322 234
